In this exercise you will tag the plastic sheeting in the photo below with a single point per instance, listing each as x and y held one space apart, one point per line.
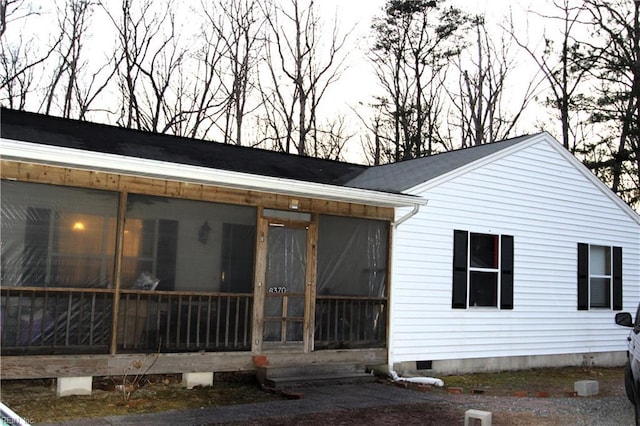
352 256
285 280
189 245
56 236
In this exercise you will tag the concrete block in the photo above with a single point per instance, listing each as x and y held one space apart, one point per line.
470 417
66 386
190 380
586 387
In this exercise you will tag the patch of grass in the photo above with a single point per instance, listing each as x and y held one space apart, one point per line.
556 381
36 399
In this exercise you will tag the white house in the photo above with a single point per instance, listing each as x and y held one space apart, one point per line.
520 259
120 245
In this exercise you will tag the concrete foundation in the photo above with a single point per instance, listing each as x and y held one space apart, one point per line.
190 380
586 387
494 364
66 386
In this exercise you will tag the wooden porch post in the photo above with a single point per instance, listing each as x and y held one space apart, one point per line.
117 269
258 286
311 276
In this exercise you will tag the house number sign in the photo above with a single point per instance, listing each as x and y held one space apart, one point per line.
277 289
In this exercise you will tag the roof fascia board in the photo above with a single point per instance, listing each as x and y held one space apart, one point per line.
134 166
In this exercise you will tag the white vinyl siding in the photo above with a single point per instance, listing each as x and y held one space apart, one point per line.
545 202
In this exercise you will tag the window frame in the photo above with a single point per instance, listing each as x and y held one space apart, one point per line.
462 270
585 277
607 277
494 271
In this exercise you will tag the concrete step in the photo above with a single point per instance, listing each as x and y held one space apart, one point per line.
317 380
318 369
289 376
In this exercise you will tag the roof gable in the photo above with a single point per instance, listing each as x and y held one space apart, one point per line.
405 175
446 166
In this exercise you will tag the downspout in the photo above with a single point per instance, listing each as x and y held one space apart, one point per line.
394 376
396 224
413 212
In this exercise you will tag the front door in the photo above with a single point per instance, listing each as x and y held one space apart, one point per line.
285 298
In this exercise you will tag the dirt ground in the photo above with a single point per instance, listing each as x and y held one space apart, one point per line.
36 400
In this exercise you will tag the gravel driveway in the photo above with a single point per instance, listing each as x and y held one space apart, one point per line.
437 408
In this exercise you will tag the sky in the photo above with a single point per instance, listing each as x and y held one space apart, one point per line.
358 14
357 84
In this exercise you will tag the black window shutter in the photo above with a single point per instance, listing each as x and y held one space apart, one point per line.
583 277
617 278
506 272
460 243
36 249
166 254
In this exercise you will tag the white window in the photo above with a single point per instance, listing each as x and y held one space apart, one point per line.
482 270
599 277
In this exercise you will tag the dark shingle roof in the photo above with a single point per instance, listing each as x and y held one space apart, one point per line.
398 177
55 131
391 178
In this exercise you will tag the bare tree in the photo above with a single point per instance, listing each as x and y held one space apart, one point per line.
414 42
236 26
199 90
615 106
149 61
12 11
20 57
374 141
563 67
299 71
331 138
73 21
485 113
17 73
161 71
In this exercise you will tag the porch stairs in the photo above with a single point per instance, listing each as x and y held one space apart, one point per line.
294 376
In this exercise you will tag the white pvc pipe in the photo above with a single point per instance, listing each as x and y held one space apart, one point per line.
419 380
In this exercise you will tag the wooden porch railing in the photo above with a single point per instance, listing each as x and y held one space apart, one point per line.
182 322
61 320
350 322
35 320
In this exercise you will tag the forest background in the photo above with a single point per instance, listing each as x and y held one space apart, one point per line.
369 81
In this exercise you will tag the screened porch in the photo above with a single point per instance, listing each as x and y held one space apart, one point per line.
88 271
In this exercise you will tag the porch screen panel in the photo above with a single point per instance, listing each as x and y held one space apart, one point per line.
58 246
54 236
189 245
352 256
351 292
201 257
